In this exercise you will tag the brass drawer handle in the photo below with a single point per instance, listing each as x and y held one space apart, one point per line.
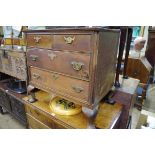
35 76
33 57
77 89
55 76
77 65
37 39
51 56
69 40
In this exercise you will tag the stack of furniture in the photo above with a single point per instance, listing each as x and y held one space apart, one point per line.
77 64
13 73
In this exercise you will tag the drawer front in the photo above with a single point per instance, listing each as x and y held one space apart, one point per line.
18 108
60 84
72 42
43 118
18 63
73 64
35 124
40 41
5 101
14 64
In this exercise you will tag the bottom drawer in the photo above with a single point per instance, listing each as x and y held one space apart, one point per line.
35 124
39 115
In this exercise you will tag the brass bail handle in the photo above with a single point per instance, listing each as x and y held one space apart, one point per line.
77 65
69 39
77 89
35 76
37 39
34 57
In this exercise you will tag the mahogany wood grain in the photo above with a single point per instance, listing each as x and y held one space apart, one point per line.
39 41
80 42
60 61
59 84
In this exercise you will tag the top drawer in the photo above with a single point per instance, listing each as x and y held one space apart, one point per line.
39 41
73 42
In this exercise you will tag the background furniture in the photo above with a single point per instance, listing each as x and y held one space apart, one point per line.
140 68
12 102
150 51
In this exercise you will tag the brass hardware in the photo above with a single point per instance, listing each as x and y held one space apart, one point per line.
55 76
77 65
69 39
37 39
77 89
35 76
51 56
34 57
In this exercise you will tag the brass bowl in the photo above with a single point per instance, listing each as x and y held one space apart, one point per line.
63 107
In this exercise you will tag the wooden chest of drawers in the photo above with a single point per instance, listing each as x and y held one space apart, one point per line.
41 116
13 63
76 64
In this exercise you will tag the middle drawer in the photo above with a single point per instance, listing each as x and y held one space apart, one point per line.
73 64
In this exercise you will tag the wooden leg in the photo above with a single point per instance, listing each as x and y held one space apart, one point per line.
1 110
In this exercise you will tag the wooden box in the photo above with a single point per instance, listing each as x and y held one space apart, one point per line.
13 63
77 64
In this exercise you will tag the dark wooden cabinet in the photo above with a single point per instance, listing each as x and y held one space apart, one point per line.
4 101
12 102
18 108
76 64
150 49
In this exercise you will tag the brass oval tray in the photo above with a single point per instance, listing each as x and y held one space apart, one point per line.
63 107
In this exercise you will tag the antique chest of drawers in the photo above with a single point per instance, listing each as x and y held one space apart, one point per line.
75 64
13 63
